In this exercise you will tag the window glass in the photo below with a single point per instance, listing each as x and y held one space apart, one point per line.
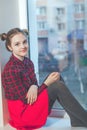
62 43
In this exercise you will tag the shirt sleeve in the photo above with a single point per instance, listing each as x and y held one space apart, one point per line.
41 88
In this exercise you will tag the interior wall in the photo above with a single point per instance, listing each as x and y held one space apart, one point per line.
10 12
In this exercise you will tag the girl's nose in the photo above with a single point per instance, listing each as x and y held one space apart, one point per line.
22 45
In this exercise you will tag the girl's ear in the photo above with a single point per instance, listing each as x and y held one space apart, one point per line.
9 48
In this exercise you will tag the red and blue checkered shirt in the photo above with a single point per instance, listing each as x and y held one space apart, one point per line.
17 77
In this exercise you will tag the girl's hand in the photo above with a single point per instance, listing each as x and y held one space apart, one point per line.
32 94
52 78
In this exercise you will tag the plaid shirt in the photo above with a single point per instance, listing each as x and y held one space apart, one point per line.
17 77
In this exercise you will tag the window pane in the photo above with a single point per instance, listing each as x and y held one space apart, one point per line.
62 43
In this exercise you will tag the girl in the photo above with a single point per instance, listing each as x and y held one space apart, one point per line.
28 104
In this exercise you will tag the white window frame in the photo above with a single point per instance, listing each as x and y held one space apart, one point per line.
33 34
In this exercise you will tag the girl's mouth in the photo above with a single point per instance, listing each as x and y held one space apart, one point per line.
24 50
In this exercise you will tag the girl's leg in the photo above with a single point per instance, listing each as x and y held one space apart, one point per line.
58 90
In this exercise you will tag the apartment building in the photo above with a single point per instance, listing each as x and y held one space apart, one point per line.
52 28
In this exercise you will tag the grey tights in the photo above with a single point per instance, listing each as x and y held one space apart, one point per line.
59 90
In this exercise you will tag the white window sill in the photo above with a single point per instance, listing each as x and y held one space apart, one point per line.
53 124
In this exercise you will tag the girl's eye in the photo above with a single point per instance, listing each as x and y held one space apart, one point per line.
25 41
16 44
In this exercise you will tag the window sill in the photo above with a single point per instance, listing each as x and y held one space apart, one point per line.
58 113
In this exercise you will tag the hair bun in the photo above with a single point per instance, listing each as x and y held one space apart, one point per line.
26 31
3 36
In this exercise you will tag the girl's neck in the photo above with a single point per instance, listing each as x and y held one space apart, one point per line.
19 57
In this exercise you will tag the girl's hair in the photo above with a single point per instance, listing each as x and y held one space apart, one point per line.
7 36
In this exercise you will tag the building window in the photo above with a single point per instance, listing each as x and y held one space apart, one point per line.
42 25
82 8
79 8
80 24
60 11
61 26
41 10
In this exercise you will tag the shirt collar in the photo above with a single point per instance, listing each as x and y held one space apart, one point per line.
16 60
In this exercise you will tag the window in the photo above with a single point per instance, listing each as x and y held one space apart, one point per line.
61 26
41 10
79 8
76 8
80 24
41 25
82 7
60 11
68 47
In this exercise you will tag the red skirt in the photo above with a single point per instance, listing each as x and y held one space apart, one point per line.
29 116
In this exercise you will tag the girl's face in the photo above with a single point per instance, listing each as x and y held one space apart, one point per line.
19 46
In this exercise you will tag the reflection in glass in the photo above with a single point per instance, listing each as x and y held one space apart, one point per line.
62 42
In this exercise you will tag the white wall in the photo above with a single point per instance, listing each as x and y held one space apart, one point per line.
13 13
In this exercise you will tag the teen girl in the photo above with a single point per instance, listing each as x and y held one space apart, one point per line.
30 104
